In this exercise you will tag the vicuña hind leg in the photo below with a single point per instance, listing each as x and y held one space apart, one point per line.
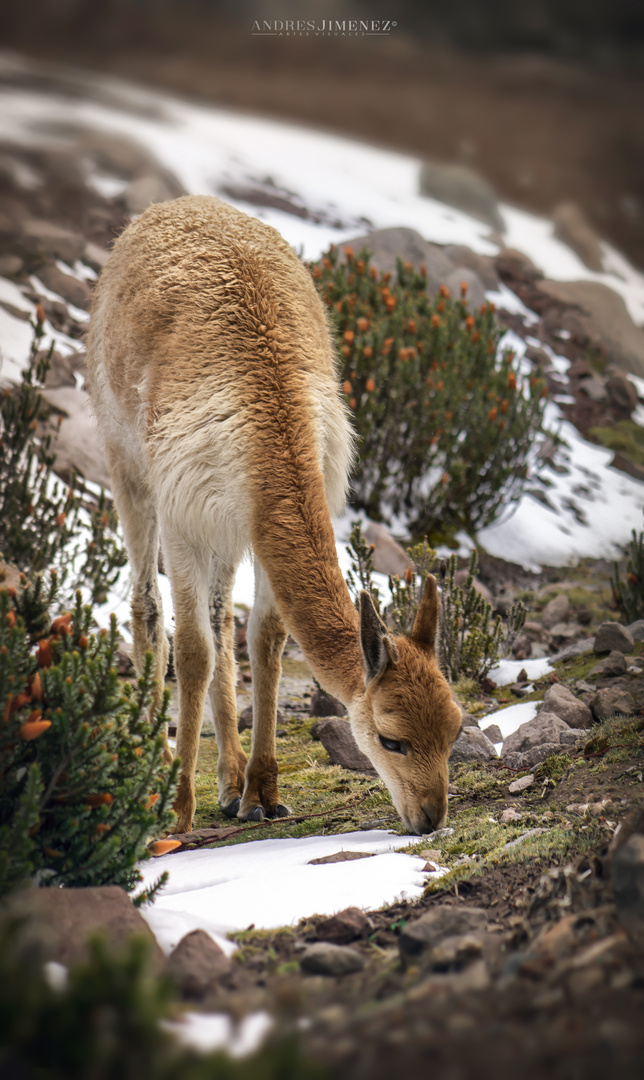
232 759
140 526
266 639
194 660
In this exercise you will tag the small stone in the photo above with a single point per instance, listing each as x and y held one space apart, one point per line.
455 950
555 611
534 756
561 701
518 689
628 884
569 738
636 630
544 728
612 636
493 733
46 238
522 677
346 926
338 741
612 701
324 705
517 786
245 722
324 958
519 840
340 856
509 815
438 923
197 964
472 745
433 854
388 556
614 664
71 289
10 265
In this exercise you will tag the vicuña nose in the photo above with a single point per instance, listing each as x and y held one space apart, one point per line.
436 814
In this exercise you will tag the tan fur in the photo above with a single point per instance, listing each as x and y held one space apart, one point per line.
213 381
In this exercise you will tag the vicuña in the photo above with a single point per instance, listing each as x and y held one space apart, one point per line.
213 380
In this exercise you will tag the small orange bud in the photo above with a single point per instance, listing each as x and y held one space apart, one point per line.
317 273
60 520
445 478
436 321
362 323
104 799
492 413
411 326
348 335
440 384
390 303
61 624
53 853
44 657
36 687
163 847
370 386
152 800
348 251
346 351
512 381
373 273
326 263
632 579
347 387
83 641
11 619
40 313
463 289
469 322
352 403
476 337
409 577
504 405
501 424
367 352
443 291
102 828
138 750
360 266
31 730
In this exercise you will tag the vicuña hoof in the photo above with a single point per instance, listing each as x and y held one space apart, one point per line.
279 811
232 808
256 814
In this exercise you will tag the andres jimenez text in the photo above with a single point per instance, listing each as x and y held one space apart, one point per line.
322 27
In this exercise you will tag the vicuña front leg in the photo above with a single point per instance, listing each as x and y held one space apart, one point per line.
266 639
194 661
231 766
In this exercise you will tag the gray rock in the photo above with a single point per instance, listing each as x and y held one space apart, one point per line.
472 745
555 611
521 784
569 738
455 951
467 720
71 289
621 392
578 648
561 701
614 664
626 465
388 556
459 186
461 576
572 227
636 630
438 923
10 265
388 245
483 265
78 446
196 965
512 265
475 292
322 704
627 872
245 720
613 637
544 728
47 239
612 701
145 190
94 256
595 317
533 756
338 741
324 958
493 733
346 926
519 840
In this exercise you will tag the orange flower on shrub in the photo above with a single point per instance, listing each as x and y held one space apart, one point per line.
348 335
469 322
436 321
367 352
504 405
44 656
347 387
162 847
33 728
443 291
362 323
352 403
512 381
464 288
492 413
360 266
370 386
104 799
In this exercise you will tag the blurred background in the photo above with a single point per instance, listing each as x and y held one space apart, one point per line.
543 98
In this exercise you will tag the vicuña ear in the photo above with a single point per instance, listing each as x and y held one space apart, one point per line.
426 621
378 647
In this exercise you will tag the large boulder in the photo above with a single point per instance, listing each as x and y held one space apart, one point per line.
79 446
197 964
612 701
483 265
544 728
459 186
573 228
613 637
388 556
389 245
338 741
561 701
555 611
71 288
472 745
437 924
46 239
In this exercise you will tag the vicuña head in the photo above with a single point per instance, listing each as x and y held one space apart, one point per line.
214 385
406 721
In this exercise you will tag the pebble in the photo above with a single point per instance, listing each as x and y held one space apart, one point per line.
323 958
510 814
517 786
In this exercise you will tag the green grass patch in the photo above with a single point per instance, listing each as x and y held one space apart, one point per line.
626 436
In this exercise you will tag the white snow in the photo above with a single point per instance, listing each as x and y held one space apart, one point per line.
218 1031
506 671
269 883
511 718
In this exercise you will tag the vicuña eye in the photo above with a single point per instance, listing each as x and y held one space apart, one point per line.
393 745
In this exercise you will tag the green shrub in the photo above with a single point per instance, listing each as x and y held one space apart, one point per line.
45 524
629 592
82 780
471 640
445 423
